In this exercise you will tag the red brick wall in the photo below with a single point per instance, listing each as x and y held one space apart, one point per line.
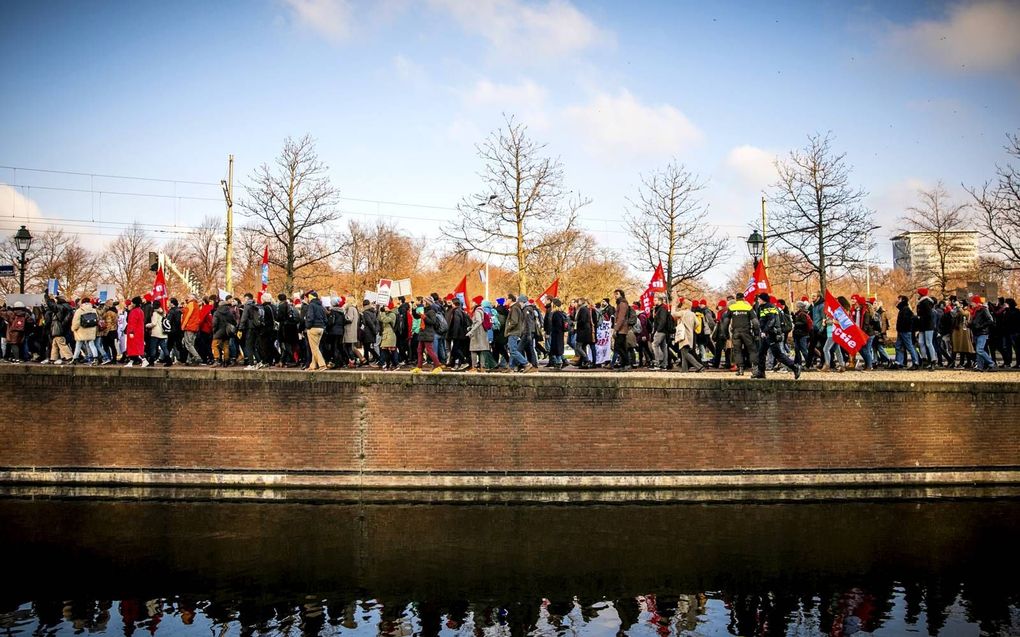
201 419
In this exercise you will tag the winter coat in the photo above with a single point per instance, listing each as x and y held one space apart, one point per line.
499 336
84 333
14 337
477 333
925 317
249 316
191 319
352 315
388 322
315 314
981 321
223 322
905 318
135 332
370 325
584 328
620 325
685 337
962 342
515 321
155 324
429 322
557 331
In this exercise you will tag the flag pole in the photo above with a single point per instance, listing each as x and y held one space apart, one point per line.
486 279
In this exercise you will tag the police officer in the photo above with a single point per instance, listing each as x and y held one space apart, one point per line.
772 335
741 324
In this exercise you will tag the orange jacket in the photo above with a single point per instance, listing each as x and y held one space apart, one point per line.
191 319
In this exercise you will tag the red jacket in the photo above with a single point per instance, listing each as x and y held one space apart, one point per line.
135 332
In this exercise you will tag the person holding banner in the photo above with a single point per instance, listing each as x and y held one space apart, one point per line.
772 336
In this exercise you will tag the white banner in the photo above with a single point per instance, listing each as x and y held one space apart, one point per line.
402 288
382 292
106 292
603 342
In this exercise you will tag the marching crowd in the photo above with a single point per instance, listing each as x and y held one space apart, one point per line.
513 334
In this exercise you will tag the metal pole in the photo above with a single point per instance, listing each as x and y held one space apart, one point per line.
764 239
22 272
230 226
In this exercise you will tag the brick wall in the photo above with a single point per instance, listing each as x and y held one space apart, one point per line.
392 423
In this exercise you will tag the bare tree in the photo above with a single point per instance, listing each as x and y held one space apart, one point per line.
999 207
206 253
292 205
939 220
818 213
126 263
80 270
522 208
668 225
371 251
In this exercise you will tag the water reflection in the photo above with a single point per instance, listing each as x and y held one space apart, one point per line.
126 568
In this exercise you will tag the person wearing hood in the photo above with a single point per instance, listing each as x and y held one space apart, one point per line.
388 341
84 325
905 335
223 328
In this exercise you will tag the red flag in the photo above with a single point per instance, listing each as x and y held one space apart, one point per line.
658 282
159 289
844 330
648 299
550 293
461 292
759 283
265 272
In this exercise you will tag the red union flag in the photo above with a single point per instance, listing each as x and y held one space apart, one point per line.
647 299
844 330
550 293
159 289
460 292
759 283
658 282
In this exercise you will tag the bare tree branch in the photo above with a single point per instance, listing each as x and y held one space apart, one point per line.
998 205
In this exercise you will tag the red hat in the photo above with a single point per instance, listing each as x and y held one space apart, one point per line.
449 297
922 291
804 298
342 300
680 301
478 300
694 303
871 299
703 303
147 297
976 298
772 299
721 303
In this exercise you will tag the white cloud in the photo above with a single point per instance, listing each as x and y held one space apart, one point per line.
16 206
526 30
333 19
525 99
974 36
752 165
410 71
620 124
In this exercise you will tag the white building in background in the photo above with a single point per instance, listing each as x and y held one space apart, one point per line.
915 254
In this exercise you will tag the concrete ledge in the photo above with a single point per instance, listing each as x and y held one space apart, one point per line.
521 481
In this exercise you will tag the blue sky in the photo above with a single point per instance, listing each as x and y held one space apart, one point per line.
397 92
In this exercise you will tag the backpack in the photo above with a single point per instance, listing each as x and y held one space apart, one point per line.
89 320
486 321
637 326
442 326
785 323
680 330
18 324
269 318
494 318
258 319
167 325
295 315
631 317
699 323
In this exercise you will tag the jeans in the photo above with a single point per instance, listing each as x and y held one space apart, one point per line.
868 354
159 346
904 345
88 346
984 361
660 349
777 353
516 357
827 353
802 344
928 345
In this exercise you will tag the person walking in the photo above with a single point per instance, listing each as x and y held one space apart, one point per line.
981 325
191 322
622 326
685 336
772 335
135 334
905 335
84 326
740 323
478 337
315 322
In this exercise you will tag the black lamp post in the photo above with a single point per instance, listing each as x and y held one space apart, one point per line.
23 241
755 244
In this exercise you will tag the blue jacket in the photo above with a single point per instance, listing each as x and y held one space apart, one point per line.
315 314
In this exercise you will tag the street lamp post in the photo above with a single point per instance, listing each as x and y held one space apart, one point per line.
23 241
755 246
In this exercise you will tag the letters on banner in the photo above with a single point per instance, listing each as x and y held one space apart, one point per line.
844 331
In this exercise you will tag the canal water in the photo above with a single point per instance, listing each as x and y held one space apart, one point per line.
219 569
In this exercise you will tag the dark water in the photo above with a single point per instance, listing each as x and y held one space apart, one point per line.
238 569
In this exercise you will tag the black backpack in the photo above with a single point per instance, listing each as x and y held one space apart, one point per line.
631 317
89 319
784 322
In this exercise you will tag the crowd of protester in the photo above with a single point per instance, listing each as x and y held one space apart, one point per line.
513 334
